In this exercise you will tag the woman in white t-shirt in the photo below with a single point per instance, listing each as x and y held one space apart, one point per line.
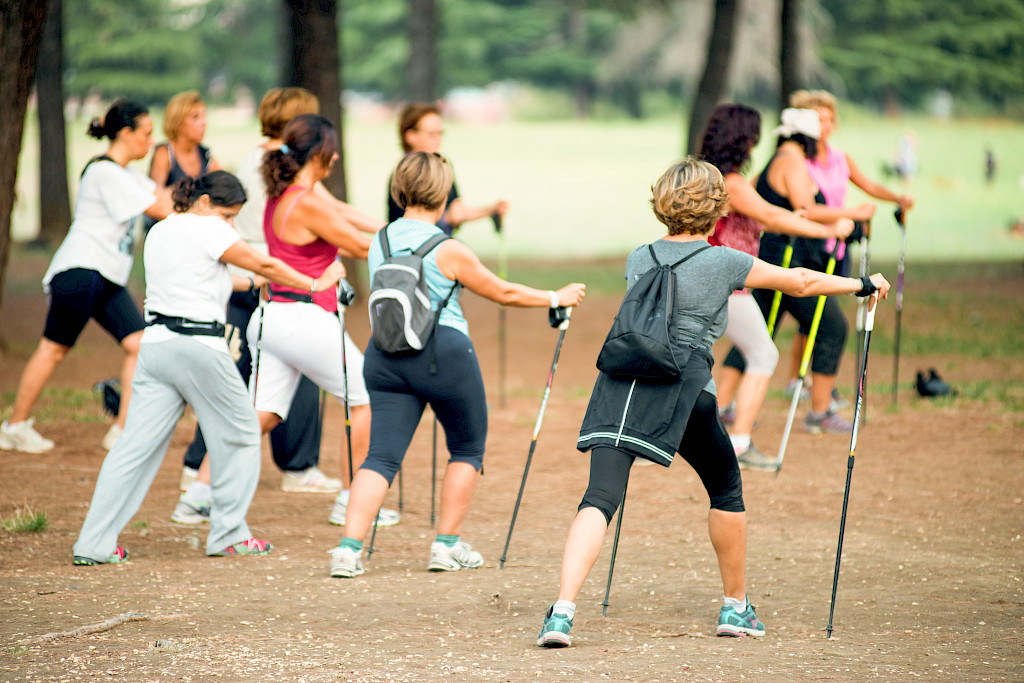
184 358
87 276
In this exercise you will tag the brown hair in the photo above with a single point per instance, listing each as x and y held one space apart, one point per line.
281 105
178 109
690 197
409 117
306 137
421 179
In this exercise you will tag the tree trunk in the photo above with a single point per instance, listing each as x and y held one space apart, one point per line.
54 202
716 69
789 51
422 30
312 61
576 28
21 27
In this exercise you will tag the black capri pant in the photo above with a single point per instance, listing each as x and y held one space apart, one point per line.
705 446
401 387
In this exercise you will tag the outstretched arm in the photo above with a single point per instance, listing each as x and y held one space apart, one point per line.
876 190
357 218
242 254
744 199
458 212
801 282
458 262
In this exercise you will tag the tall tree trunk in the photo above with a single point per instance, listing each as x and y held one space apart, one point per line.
312 61
576 26
422 30
21 28
716 69
789 50
54 202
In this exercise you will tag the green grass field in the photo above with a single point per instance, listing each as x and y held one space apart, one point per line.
580 188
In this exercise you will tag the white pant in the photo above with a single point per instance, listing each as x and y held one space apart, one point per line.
748 331
301 339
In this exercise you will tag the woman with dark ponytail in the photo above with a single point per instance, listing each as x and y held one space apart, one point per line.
307 231
87 276
184 358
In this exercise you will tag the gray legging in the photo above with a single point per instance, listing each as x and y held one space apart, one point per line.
170 374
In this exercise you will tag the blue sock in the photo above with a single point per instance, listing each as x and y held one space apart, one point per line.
449 541
351 544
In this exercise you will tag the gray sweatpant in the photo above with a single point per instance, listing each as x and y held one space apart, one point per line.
170 374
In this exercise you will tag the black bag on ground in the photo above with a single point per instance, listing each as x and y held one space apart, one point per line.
400 317
639 345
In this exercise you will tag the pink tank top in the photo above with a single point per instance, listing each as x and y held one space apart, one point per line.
833 179
309 259
738 232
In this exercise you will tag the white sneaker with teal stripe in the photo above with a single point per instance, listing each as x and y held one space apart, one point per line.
555 631
738 624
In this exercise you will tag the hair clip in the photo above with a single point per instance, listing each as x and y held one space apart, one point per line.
285 149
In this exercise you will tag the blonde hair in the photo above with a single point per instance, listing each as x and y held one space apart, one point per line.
690 197
421 179
177 110
281 105
814 99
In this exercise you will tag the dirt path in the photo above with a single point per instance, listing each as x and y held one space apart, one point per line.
931 582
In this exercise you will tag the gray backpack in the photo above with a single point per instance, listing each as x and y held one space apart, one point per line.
400 317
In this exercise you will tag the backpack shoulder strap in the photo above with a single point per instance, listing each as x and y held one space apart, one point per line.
690 256
385 246
429 245
711 321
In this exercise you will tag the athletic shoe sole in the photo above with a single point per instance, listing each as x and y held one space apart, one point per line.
737 632
554 639
190 519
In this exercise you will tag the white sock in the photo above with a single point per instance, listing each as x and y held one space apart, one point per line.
738 605
200 492
564 607
740 442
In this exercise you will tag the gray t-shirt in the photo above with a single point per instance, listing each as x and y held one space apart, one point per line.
703 284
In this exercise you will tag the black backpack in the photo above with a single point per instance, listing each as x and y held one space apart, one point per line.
400 317
639 345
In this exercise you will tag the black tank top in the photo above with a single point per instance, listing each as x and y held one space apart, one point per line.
808 252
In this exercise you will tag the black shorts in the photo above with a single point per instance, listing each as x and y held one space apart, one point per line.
79 294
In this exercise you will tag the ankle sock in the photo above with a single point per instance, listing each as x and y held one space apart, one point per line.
738 605
740 442
449 541
564 607
351 544
200 493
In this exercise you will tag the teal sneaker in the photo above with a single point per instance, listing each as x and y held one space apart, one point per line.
555 631
120 555
739 624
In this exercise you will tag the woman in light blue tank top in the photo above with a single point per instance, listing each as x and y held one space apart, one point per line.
401 386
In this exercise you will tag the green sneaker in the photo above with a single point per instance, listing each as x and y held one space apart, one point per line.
739 624
253 546
120 555
555 631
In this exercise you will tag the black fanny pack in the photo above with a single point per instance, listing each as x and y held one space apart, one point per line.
291 296
194 328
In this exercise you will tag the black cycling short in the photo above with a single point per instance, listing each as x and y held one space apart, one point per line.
79 294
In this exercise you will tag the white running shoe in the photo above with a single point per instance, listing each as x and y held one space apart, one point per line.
188 511
346 563
454 558
20 436
311 480
386 516
113 434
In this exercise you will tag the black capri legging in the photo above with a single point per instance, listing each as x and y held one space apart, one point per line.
401 387
705 446
78 294
832 329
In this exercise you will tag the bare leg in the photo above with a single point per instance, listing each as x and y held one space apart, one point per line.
727 384
586 536
821 392
268 421
360 442
130 344
457 491
34 377
799 342
728 531
748 402
367 495
203 477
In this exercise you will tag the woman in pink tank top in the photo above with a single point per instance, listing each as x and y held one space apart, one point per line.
301 333
731 134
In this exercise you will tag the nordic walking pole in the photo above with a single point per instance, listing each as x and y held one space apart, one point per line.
346 295
901 220
869 323
433 474
773 314
615 549
805 362
558 317
259 340
862 311
502 337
